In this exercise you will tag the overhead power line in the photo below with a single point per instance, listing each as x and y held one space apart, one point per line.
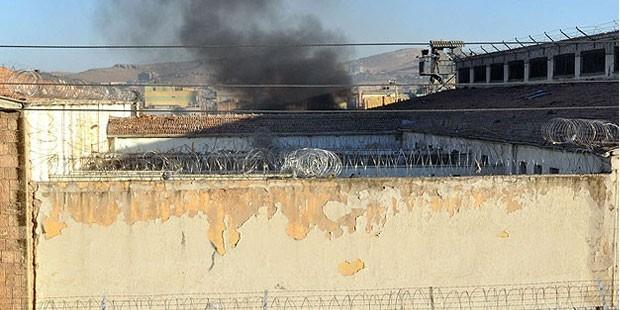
216 85
508 109
291 45
263 85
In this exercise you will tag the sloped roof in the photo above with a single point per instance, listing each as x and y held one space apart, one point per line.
245 124
584 100
5 90
433 114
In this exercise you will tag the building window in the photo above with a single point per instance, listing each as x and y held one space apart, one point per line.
554 170
464 75
480 74
538 68
564 65
593 62
538 169
497 72
516 70
522 167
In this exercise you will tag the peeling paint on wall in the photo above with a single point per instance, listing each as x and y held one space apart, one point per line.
349 268
305 206
503 234
434 230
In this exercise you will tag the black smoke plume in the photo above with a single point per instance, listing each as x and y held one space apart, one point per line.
240 22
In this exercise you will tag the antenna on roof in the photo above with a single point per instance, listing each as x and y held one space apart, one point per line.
585 34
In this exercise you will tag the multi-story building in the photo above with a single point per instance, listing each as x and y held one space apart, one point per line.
589 57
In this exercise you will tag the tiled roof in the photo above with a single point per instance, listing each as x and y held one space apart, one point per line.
505 126
243 124
5 91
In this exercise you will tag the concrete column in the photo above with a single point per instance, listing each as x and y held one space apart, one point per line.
577 65
488 68
506 73
609 64
471 74
549 68
526 71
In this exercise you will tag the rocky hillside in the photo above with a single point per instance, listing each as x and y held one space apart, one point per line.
400 65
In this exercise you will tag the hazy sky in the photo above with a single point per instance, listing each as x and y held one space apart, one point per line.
71 22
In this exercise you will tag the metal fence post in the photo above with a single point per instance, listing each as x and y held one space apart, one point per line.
431 297
601 288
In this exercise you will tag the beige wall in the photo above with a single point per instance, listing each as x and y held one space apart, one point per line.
58 140
188 236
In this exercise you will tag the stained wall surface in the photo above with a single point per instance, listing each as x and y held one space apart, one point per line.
61 139
235 235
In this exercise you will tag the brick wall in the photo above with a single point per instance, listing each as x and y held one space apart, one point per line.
13 276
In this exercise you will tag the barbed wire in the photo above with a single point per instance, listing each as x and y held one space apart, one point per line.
558 37
304 163
85 84
37 85
311 162
559 295
588 133
258 45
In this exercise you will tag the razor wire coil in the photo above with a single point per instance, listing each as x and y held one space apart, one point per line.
586 133
24 82
310 162
304 163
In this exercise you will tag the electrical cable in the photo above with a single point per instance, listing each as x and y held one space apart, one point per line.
293 45
508 109
292 85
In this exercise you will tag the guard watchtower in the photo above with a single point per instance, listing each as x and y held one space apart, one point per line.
438 64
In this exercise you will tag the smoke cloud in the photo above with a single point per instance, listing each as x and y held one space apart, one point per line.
234 22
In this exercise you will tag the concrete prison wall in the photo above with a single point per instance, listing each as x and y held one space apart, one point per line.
142 238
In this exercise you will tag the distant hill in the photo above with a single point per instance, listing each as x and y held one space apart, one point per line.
169 72
400 65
